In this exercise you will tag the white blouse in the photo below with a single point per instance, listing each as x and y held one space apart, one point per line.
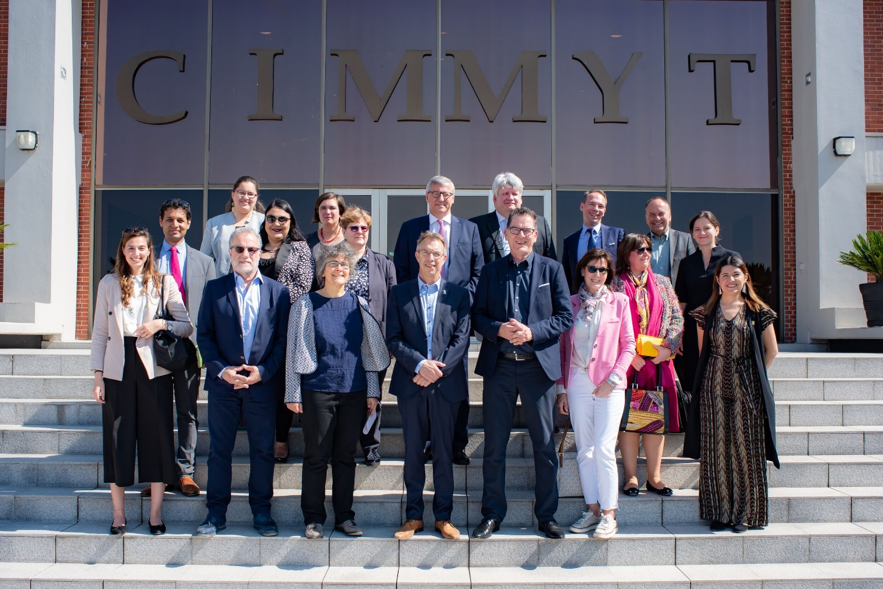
134 312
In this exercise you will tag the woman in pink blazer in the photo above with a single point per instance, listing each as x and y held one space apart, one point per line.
135 392
595 355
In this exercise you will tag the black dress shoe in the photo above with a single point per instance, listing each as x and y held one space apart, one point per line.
461 458
118 530
739 528
486 529
664 491
265 526
157 530
552 530
717 526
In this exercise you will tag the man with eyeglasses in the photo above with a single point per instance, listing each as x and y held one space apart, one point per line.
190 269
593 234
242 334
462 267
521 309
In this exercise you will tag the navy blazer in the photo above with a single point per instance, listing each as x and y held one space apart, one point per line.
406 339
610 238
489 233
464 260
550 312
220 335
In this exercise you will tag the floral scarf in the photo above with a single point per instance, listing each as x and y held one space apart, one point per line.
589 302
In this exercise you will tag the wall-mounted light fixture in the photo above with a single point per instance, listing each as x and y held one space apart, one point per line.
27 140
844 145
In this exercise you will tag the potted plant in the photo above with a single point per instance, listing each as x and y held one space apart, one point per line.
867 256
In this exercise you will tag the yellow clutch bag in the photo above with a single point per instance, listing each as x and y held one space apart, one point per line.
645 345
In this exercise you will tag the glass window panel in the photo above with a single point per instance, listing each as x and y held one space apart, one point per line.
389 152
471 149
133 153
467 206
610 154
301 201
284 151
400 209
624 209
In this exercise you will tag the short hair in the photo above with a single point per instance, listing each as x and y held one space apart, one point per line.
705 215
341 204
596 254
662 198
443 181
593 191
240 230
352 215
175 203
507 179
326 253
432 235
629 243
522 211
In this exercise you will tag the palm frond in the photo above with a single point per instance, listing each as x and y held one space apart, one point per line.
866 254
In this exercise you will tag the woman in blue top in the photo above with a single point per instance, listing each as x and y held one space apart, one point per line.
335 350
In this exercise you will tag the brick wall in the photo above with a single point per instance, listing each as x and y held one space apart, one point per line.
875 215
789 266
87 84
873 21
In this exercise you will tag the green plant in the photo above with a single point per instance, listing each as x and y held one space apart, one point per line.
866 254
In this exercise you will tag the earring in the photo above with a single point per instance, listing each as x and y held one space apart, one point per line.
720 291
744 290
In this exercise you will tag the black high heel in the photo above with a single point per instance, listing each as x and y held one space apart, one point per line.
157 530
119 530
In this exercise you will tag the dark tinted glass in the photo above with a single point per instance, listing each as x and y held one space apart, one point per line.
624 209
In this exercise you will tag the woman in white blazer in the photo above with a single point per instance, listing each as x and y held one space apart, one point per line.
135 392
245 211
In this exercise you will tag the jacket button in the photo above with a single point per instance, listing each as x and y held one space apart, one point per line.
108 338
110 312
593 359
595 346
242 357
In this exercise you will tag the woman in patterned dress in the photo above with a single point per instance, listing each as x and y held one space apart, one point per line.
655 312
734 433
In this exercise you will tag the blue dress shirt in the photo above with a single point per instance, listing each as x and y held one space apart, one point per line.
163 264
428 300
249 305
660 254
588 239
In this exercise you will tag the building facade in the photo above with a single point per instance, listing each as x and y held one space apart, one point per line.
725 106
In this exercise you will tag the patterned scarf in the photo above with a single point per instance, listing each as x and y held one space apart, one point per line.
589 302
642 298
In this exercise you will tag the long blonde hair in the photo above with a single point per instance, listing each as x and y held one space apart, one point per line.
121 266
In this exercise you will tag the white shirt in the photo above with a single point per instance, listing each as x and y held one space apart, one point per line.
503 244
434 226
134 312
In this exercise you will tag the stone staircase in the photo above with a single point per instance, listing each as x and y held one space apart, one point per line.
826 504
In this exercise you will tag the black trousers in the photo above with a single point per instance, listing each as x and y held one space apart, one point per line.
186 386
137 418
461 424
331 431
510 380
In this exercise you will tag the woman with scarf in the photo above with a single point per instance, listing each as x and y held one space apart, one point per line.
655 312
595 355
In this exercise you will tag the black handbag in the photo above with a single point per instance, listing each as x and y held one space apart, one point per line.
684 400
170 351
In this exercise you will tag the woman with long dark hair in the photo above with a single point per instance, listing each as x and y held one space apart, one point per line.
732 425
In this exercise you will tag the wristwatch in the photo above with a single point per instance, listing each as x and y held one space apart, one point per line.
614 380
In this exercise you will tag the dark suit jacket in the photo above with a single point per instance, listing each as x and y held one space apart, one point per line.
464 260
381 278
610 238
406 339
489 233
198 270
550 312
681 245
220 335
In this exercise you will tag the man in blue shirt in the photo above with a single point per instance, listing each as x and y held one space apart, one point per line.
593 234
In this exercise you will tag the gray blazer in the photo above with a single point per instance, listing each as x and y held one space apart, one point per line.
681 246
301 348
198 270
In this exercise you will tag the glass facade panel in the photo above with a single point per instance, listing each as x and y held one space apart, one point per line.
401 209
624 209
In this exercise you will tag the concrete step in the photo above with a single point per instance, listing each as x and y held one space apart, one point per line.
136 576
512 546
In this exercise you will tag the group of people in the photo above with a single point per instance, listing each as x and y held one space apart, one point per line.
290 324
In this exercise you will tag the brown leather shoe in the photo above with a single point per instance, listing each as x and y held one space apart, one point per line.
145 492
188 487
409 528
447 529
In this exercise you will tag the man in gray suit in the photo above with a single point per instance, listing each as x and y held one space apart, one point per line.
190 269
669 245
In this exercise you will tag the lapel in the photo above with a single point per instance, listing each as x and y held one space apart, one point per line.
536 276
493 228
441 300
602 235
233 301
153 302
257 344
418 304
188 269
454 237
673 239
118 306
504 285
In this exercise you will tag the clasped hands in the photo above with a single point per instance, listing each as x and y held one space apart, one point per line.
515 332
430 372
239 381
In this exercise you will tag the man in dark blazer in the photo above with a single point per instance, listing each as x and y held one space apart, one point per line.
462 268
428 334
243 327
191 271
521 308
669 246
592 234
507 189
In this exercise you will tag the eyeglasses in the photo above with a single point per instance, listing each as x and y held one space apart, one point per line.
335 264
594 269
246 195
644 250
525 231
430 254
281 219
359 228
439 195
251 250
138 228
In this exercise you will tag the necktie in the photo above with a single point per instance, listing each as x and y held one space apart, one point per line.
175 268
591 242
441 231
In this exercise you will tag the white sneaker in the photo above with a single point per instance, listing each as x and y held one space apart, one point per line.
587 522
606 528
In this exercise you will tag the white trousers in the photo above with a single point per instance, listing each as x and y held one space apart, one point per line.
596 427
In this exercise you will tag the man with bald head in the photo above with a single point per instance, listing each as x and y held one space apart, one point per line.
670 246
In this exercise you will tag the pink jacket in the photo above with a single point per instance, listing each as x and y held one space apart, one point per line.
614 346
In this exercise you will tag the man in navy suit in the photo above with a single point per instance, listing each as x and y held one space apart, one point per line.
521 308
427 331
593 234
462 268
243 327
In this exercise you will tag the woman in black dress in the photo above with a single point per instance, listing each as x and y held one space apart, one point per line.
694 286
